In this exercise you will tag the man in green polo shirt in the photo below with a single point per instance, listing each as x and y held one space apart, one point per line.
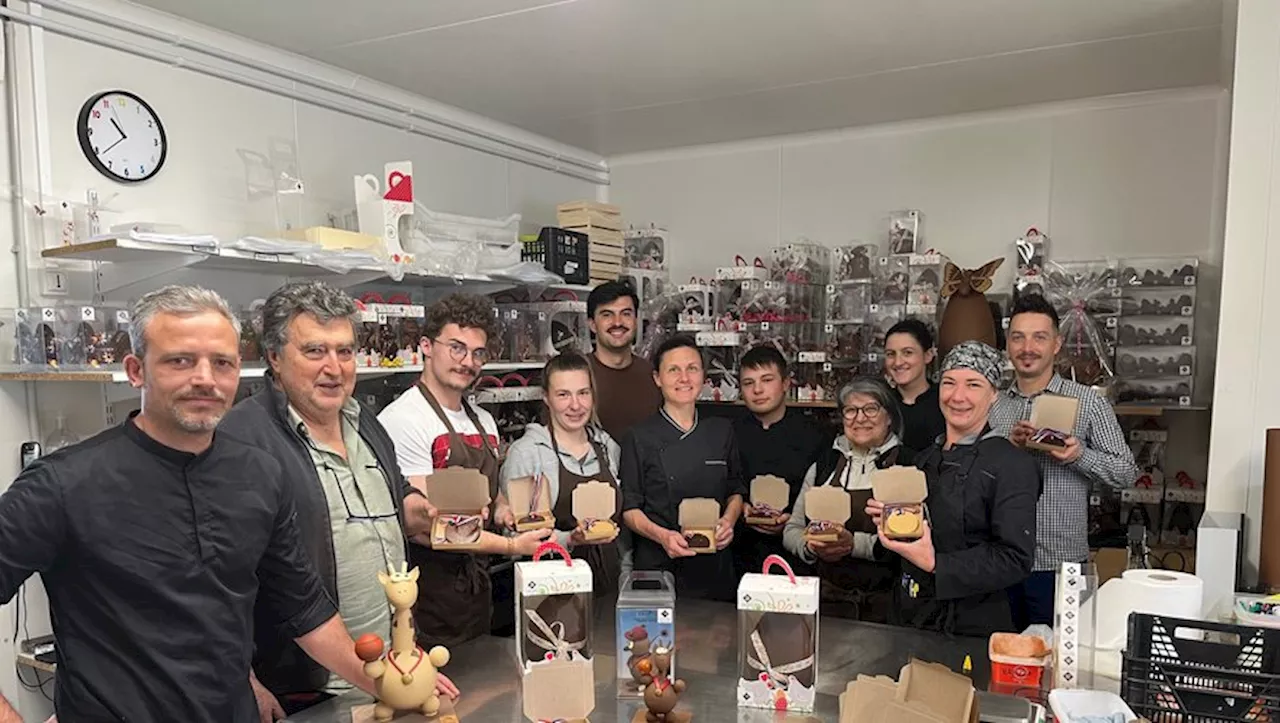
355 508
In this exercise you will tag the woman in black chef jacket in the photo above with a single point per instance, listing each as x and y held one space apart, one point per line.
674 456
908 352
980 536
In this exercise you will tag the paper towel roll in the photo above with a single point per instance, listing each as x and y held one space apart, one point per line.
1158 592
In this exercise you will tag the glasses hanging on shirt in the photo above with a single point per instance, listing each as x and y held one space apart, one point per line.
351 515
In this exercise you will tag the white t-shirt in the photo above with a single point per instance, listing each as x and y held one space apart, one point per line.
420 437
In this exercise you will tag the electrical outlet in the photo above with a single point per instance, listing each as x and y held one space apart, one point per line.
55 283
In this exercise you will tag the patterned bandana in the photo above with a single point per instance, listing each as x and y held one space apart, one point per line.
977 356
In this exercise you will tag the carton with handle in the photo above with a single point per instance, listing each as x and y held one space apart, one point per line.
1054 417
594 505
769 497
698 519
460 495
903 491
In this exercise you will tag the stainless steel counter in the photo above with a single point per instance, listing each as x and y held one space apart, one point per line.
486 672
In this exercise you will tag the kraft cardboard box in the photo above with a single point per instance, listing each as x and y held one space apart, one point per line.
924 693
1054 417
827 509
461 495
531 503
903 491
594 505
698 519
769 498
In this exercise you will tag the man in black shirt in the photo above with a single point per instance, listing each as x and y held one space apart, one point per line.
154 538
772 440
674 456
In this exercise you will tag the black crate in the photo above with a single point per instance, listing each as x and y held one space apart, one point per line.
1193 671
562 252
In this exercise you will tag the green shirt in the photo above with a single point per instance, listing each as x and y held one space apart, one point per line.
366 532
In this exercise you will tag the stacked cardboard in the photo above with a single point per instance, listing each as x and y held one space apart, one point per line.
602 223
924 693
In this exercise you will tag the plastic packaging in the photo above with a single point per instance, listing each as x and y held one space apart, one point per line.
1159 302
1156 362
905 232
802 262
777 639
892 280
1155 331
60 436
1178 272
646 615
646 248
854 263
1085 356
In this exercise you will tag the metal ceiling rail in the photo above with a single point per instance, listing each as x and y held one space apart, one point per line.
536 157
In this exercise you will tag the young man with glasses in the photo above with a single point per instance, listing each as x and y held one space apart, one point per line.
355 508
434 427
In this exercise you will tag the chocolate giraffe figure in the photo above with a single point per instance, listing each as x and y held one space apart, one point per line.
406 677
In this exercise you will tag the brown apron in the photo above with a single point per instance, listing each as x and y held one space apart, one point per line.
855 588
606 564
455 595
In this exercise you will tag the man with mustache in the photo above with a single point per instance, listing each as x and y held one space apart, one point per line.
434 427
1095 452
154 539
355 507
625 392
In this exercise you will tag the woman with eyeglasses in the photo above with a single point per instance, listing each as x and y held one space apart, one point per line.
979 538
569 451
854 584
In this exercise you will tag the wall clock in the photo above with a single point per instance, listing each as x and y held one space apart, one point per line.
122 136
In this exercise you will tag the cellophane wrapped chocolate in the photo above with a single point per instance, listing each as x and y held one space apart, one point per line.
1079 291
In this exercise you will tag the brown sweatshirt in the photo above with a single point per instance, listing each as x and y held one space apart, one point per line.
624 396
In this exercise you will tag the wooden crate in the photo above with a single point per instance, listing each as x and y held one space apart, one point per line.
589 213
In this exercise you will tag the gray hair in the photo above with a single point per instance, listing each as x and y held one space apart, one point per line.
880 391
177 300
316 298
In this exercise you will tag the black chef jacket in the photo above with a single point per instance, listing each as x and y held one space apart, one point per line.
152 559
662 465
922 422
786 449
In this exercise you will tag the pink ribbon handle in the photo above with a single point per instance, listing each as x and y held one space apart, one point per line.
775 561
556 547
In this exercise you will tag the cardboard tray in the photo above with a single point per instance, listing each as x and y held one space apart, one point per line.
698 519
770 490
826 504
903 491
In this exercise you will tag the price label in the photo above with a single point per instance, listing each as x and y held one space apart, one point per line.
1184 401
826 367
1188 311
1189 280
515 314
874 308
873 357
829 328
1186 341
542 316
764 326
1112 322
1184 370
48 314
272 258
87 313
831 288
122 316
1095 500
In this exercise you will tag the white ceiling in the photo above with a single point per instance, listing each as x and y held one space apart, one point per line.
619 76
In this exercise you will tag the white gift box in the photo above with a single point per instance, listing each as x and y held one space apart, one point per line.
777 618
553 600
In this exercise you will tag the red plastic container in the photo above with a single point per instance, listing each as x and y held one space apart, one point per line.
1009 673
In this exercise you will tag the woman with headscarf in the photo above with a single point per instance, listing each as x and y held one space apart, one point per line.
980 535
854 584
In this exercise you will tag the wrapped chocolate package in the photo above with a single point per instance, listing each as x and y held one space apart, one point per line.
553 609
1085 356
777 639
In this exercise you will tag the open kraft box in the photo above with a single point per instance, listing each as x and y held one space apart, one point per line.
1054 417
827 508
903 491
924 693
769 498
461 495
594 505
531 503
698 519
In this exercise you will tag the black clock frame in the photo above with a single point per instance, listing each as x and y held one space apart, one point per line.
86 144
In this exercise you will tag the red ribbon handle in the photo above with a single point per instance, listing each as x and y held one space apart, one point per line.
371 297
556 547
739 261
759 264
775 561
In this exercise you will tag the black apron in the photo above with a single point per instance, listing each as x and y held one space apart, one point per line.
455 595
702 576
854 588
605 561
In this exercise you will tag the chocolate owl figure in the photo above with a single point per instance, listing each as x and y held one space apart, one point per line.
967 316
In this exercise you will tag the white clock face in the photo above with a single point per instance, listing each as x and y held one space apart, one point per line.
122 136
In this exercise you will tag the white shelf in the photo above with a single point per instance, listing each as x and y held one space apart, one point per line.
118 376
129 261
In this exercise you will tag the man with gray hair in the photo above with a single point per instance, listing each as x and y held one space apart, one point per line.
355 508
155 538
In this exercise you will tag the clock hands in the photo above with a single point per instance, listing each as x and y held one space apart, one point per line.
107 150
118 129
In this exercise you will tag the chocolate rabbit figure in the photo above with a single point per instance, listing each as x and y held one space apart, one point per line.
967 316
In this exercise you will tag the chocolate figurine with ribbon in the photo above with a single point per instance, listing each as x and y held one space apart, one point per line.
778 639
553 609
662 692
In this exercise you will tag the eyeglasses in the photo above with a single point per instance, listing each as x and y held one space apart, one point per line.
352 516
458 351
870 411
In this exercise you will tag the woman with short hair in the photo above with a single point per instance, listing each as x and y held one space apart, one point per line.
854 584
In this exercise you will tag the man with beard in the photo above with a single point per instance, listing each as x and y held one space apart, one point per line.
772 440
155 537
354 505
625 391
434 427
1096 451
